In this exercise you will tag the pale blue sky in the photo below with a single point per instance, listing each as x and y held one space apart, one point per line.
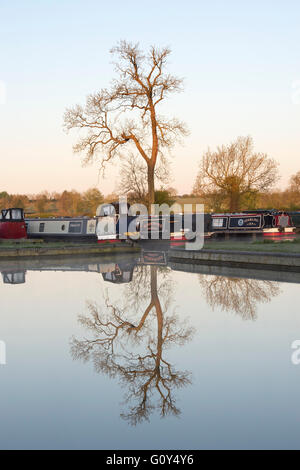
239 61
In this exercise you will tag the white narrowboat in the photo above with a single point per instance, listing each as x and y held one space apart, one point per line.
62 228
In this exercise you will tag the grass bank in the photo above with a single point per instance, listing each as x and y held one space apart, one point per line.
266 246
16 244
13 250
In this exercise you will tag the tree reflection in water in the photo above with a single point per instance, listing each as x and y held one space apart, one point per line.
130 346
237 294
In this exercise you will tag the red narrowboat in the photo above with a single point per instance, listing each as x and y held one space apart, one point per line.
12 224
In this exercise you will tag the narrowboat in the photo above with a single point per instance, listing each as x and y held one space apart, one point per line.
222 223
268 223
280 224
295 217
114 223
12 224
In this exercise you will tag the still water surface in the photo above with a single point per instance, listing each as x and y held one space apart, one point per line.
120 354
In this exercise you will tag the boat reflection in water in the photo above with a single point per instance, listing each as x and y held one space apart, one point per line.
113 270
118 270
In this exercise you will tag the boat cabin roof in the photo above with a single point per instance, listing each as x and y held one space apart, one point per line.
113 208
236 214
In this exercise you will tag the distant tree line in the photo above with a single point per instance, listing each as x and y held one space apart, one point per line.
68 203
73 203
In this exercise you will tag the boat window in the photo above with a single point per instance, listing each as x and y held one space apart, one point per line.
42 227
14 278
107 210
63 227
16 214
75 227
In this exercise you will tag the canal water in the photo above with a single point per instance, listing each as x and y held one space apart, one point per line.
136 352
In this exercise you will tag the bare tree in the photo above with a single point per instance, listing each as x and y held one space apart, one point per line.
234 172
125 116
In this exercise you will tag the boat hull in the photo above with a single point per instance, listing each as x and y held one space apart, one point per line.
12 230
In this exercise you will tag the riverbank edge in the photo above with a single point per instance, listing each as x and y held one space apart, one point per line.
256 259
43 251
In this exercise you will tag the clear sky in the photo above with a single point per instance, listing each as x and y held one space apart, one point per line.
240 61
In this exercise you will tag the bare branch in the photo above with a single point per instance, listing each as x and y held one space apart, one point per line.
119 120
234 171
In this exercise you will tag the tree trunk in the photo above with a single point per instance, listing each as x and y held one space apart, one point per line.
234 202
151 194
